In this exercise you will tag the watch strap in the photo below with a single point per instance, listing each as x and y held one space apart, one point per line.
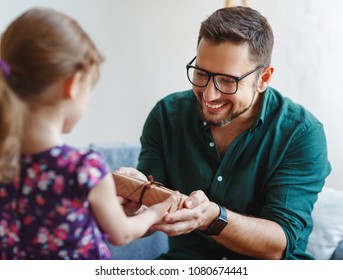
219 224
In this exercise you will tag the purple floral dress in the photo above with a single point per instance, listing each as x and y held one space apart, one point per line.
45 213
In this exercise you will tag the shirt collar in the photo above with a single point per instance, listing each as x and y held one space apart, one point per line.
263 111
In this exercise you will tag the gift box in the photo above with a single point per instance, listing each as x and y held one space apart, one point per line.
144 192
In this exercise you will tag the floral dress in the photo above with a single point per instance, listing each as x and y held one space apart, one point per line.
45 213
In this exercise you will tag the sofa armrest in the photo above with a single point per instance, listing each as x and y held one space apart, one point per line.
327 224
338 254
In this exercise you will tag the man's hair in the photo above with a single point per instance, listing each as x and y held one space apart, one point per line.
240 25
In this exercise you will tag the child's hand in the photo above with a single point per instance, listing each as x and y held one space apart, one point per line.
130 207
161 209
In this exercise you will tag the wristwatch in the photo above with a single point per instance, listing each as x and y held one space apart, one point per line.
219 224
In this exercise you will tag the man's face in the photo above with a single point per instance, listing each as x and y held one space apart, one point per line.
219 109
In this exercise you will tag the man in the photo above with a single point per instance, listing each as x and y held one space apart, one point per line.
251 160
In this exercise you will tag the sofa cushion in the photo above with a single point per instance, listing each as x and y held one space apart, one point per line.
146 248
118 155
338 254
327 224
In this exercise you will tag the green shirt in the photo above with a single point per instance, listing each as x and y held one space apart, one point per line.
274 170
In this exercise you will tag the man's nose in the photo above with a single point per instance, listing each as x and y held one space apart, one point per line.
211 93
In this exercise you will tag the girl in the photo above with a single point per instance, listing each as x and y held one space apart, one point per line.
62 204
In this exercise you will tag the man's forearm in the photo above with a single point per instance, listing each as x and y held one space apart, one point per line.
254 237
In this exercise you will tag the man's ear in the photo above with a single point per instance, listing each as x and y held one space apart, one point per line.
265 78
72 85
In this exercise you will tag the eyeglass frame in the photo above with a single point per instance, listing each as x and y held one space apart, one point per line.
210 74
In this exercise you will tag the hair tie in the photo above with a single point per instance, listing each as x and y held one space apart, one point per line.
5 68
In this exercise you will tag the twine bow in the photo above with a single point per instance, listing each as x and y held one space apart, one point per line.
144 187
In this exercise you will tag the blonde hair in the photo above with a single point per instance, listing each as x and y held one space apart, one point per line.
43 45
10 132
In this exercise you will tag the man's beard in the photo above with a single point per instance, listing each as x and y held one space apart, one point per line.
230 116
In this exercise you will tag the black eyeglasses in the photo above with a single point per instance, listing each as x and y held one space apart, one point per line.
226 84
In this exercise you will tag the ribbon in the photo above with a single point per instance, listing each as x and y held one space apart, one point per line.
147 185
144 187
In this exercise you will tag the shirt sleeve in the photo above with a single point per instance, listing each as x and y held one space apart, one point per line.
92 169
294 187
151 159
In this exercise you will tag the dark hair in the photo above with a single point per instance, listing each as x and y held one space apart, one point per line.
43 45
241 25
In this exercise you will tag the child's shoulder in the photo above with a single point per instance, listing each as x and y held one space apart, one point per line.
76 154
87 165
65 155
67 150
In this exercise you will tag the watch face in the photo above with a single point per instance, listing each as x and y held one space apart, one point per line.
219 226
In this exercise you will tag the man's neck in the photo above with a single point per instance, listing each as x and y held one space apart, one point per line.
223 136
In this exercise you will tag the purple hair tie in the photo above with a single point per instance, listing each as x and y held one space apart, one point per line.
5 68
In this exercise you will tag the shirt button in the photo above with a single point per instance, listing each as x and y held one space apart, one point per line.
219 178
211 144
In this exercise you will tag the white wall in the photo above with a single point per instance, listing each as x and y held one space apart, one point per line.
147 44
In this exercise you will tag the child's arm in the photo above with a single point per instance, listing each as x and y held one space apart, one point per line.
111 217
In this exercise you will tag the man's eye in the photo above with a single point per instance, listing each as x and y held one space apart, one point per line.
201 74
225 80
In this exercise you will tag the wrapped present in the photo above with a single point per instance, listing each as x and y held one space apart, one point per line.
144 192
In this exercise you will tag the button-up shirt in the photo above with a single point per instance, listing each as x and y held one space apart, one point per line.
274 170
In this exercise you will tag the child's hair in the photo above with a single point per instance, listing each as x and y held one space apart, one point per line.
42 46
10 129
37 49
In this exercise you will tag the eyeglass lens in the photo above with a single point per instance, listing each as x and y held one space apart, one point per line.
201 78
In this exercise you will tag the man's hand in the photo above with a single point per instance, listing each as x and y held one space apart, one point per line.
130 171
198 213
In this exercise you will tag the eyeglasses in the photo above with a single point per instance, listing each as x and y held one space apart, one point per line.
226 84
